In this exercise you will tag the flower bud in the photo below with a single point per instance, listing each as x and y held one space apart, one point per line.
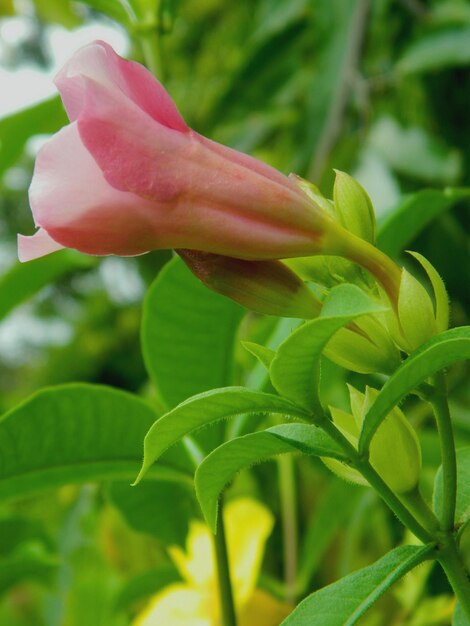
353 207
364 347
395 452
414 322
267 287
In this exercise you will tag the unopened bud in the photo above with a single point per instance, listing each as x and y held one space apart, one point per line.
394 453
364 347
414 322
354 207
267 287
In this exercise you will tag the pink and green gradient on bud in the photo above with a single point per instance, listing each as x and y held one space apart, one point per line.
127 176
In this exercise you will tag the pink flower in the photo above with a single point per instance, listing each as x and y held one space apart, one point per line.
127 176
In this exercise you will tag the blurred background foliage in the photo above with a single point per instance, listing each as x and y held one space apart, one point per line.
379 89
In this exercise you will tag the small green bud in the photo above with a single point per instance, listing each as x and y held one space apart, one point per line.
364 347
267 287
395 452
354 207
416 321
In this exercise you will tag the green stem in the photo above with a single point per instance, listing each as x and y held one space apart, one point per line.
150 42
415 503
388 496
454 568
440 406
287 493
227 605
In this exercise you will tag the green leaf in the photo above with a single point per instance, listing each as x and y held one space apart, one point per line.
459 618
24 280
440 352
58 12
71 434
295 367
406 220
158 508
263 354
219 467
16 129
333 509
145 585
188 335
31 563
437 50
415 152
462 509
205 409
345 601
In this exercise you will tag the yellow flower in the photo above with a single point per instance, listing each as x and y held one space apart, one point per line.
195 601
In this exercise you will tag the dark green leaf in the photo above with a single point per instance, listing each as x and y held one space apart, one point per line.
145 585
159 508
440 352
405 221
188 335
205 409
31 564
70 434
219 467
345 601
295 367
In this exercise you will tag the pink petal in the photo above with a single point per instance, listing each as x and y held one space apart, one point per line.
124 79
206 191
37 245
71 199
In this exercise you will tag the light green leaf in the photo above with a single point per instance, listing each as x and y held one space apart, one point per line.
207 408
406 220
23 280
263 354
437 50
188 335
294 369
16 129
462 509
345 601
219 467
440 352
71 434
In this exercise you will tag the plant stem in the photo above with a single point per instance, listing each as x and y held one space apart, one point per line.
415 503
440 406
373 478
150 43
451 563
287 493
227 605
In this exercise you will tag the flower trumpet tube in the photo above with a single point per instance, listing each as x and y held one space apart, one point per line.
127 175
